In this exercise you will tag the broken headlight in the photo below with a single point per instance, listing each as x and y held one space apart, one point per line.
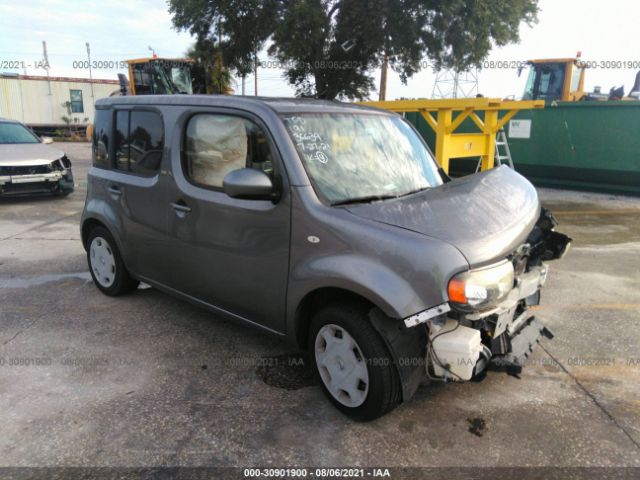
482 288
63 163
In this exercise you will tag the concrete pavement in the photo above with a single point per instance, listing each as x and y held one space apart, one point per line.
147 380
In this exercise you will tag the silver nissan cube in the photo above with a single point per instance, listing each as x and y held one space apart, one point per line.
335 220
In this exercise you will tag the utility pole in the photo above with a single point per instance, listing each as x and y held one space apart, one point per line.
93 101
46 67
456 84
222 87
383 78
255 72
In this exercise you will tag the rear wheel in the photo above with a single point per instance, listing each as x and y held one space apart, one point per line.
356 370
106 265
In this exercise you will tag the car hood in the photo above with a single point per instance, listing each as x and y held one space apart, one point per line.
28 154
486 216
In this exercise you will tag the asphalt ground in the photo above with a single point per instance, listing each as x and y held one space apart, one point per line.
147 380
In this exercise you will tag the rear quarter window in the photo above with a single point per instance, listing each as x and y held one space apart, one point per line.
101 135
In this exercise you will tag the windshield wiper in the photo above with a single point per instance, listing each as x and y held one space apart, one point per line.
365 199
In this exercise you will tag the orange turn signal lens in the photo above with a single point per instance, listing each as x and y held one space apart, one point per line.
456 291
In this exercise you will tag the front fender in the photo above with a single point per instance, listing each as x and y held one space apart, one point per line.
363 276
399 271
385 289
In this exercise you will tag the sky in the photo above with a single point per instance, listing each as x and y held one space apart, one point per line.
605 33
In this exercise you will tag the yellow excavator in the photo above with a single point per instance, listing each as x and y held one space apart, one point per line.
562 79
154 76
157 76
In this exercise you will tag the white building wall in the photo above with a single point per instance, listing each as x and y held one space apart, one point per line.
30 102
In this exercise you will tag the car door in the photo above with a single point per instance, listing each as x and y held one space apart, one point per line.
230 253
138 190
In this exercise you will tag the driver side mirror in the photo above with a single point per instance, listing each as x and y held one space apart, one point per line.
248 184
47 140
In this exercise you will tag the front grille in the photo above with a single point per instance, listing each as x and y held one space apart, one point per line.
28 170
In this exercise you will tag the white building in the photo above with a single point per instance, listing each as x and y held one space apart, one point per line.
40 101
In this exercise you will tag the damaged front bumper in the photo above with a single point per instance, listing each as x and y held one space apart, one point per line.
464 344
55 177
509 332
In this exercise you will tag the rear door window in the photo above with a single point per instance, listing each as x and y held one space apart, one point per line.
139 142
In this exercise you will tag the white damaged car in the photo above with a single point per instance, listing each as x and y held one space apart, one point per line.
28 164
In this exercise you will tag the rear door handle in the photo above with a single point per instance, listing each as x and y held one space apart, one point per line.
113 190
180 207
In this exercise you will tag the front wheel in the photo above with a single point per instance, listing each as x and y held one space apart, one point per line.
106 266
356 370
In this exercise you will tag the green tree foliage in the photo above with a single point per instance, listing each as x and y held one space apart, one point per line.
209 73
330 47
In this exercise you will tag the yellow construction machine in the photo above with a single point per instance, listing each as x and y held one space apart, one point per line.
154 76
562 79
157 76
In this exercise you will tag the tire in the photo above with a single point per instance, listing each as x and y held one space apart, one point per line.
371 394
106 266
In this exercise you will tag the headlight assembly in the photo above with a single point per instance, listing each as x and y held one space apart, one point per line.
482 288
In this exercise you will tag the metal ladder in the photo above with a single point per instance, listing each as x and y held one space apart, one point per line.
500 156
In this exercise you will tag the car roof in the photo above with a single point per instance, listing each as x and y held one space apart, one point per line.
8 120
279 104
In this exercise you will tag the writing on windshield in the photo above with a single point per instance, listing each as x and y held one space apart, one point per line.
351 156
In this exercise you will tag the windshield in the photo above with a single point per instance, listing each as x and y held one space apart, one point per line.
16 133
545 82
173 79
531 80
361 156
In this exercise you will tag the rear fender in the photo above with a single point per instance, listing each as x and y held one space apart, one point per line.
96 211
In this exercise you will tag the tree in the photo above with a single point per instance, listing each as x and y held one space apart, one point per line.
70 121
330 47
209 73
238 28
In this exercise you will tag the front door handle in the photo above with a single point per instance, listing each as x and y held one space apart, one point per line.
180 207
